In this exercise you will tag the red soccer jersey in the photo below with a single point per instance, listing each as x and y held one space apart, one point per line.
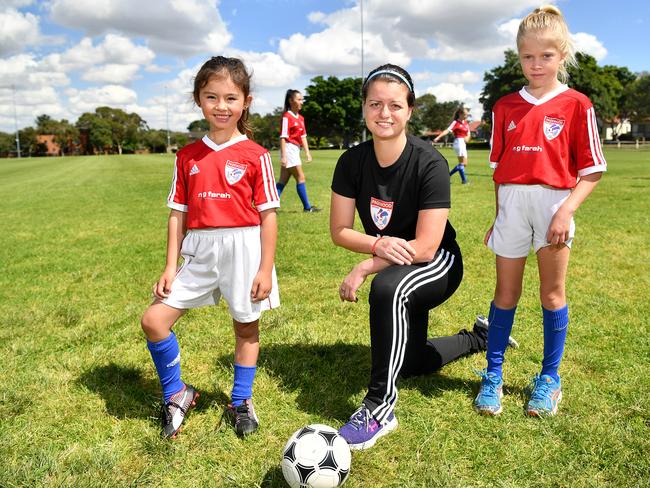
550 141
293 128
224 185
460 128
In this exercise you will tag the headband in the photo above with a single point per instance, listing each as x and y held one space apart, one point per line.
392 73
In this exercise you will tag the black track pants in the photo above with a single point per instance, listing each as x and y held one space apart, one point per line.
400 300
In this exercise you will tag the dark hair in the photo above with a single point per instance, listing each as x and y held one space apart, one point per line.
391 73
459 111
288 97
222 66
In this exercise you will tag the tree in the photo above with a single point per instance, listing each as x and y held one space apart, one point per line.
429 114
500 81
112 129
333 109
266 128
46 125
155 140
201 125
637 102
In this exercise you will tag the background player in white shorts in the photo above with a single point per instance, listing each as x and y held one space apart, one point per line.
547 158
460 128
223 202
293 136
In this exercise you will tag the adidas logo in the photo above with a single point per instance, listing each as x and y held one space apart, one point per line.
512 125
194 170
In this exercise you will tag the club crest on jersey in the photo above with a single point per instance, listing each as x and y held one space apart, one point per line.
234 171
381 212
552 127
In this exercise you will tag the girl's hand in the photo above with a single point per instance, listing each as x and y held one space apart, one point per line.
488 234
283 161
163 287
558 230
395 250
261 288
351 283
308 156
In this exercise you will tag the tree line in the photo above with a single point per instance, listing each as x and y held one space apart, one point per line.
332 110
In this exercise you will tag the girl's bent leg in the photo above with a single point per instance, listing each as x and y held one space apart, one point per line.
157 322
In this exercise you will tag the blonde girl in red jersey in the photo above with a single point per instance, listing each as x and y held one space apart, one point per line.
460 128
547 158
223 224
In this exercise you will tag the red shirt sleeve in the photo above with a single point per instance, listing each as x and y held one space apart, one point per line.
496 140
586 151
265 193
284 127
177 198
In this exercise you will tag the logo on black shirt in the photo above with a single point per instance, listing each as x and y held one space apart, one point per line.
381 212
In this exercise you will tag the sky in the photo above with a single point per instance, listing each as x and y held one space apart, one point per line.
66 57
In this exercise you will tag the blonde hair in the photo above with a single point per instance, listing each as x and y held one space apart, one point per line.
549 18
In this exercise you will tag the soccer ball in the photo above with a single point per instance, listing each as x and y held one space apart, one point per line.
316 456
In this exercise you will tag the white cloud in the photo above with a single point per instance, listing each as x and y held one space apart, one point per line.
24 70
268 69
588 43
180 27
447 92
17 30
111 73
108 95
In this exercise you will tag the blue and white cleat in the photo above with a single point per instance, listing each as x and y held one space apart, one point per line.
545 396
488 400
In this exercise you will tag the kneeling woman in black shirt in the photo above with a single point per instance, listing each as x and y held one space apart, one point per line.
400 187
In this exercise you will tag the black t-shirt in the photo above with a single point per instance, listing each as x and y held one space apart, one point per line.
388 199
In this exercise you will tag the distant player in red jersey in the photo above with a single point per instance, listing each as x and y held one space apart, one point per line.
293 136
547 159
223 224
460 128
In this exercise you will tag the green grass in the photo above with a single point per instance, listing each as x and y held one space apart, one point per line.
85 239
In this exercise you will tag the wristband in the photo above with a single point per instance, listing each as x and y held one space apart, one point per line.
374 245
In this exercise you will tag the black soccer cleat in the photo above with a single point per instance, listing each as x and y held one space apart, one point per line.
243 418
174 411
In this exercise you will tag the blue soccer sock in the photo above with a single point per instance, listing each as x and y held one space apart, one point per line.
166 357
302 193
242 388
454 170
461 170
500 325
556 323
280 187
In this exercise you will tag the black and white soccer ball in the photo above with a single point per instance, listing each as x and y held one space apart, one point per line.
316 456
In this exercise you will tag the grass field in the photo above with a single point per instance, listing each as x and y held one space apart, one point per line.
85 240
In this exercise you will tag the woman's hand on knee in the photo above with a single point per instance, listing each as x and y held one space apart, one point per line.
351 283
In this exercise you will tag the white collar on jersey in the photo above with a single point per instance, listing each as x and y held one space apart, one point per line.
295 115
538 101
218 147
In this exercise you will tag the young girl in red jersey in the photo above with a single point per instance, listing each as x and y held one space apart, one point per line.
547 159
460 128
293 136
223 224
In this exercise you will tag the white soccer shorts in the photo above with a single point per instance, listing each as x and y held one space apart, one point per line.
460 147
293 155
221 262
525 213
